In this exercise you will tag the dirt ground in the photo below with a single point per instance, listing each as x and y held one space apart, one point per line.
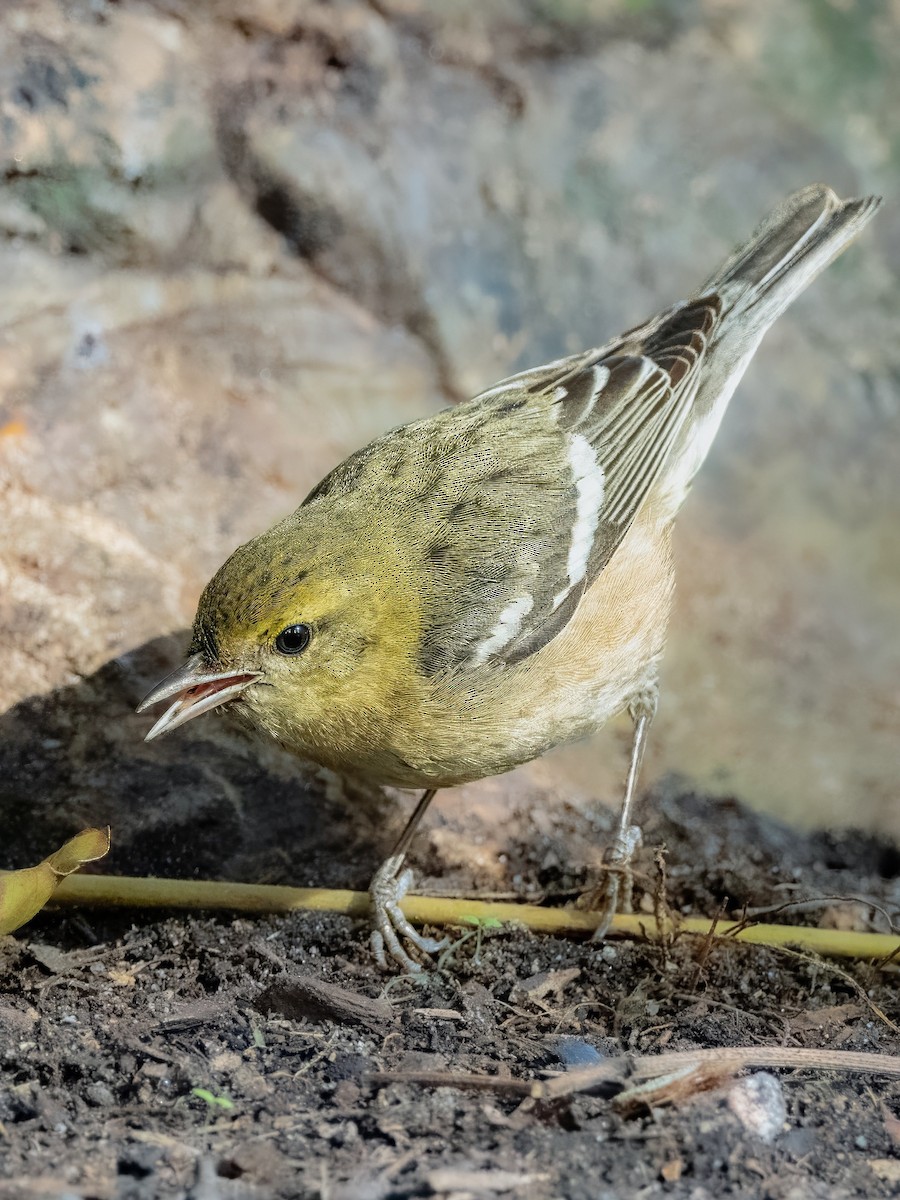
149 1056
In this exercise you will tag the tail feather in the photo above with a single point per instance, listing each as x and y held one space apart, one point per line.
787 251
755 285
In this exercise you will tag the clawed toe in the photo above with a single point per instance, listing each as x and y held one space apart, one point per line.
619 882
392 929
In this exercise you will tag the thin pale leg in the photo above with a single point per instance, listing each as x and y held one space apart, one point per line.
389 885
618 856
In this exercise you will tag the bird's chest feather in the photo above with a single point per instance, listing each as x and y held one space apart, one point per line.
471 724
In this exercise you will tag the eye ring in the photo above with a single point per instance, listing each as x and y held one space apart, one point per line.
293 640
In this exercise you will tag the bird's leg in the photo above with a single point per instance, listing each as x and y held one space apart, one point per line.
389 885
617 857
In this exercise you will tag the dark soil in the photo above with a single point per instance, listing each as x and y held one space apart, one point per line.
147 1056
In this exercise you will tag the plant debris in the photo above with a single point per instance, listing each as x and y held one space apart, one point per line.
304 997
25 892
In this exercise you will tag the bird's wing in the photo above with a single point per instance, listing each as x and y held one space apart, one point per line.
537 482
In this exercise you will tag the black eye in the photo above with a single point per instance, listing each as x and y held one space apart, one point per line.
293 640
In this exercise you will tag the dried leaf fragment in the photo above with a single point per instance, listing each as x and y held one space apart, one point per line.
24 893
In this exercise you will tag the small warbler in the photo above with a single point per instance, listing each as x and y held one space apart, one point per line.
476 587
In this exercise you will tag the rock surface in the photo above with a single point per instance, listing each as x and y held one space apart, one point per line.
239 239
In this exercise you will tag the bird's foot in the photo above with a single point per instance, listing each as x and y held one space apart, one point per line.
388 887
615 893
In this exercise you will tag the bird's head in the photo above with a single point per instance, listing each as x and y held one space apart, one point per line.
306 634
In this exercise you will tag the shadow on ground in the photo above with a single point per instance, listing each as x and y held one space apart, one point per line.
206 802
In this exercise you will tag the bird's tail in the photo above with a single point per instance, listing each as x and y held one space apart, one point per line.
756 284
785 254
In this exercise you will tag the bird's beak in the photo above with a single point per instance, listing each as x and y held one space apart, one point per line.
196 691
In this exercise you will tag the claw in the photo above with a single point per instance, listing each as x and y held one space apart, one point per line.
617 859
389 885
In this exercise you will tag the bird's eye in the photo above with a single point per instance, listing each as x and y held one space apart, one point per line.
293 640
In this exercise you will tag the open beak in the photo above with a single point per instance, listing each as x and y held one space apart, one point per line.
196 691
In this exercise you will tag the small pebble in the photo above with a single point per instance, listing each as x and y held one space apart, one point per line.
574 1052
758 1103
99 1095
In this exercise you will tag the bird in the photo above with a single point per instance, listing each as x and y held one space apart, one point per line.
483 584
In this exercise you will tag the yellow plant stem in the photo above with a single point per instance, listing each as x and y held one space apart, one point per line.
133 892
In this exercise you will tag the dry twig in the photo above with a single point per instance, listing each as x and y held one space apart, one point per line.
670 1075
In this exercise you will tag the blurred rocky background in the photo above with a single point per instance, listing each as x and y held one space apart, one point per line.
240 238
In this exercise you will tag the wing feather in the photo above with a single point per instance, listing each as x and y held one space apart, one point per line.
629 402
522 495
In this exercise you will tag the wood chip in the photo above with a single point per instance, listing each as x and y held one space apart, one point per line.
459 1179
304 997
440 1014
194 1013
